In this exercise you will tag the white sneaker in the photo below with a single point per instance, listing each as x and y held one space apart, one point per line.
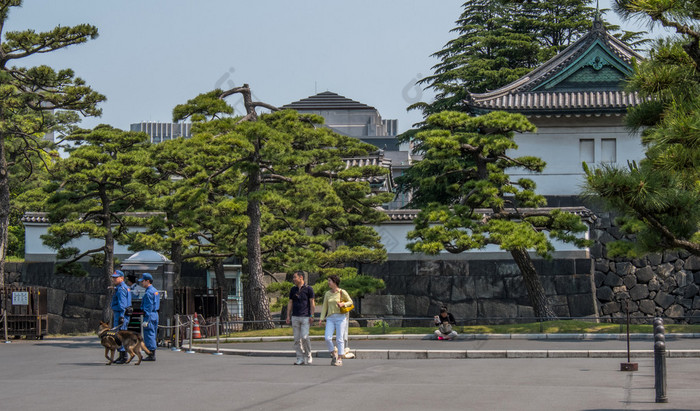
308 360
299 361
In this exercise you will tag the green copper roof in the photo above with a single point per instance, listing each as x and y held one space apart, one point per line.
586 77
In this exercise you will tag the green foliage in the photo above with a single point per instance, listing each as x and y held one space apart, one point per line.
658 196
92 188
470 200
34 101
500 41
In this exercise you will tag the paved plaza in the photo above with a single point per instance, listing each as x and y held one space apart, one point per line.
70 375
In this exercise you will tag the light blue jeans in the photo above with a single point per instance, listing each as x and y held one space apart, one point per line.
336 323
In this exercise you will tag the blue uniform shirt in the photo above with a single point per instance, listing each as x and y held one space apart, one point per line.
121 298
150 304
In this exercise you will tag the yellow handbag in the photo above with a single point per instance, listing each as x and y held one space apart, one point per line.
346 308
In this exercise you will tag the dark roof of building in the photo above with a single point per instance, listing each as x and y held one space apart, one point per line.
327 101
586 77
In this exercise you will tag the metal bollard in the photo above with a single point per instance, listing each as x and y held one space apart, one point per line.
660 360
190 351
217 338
4 321
177 334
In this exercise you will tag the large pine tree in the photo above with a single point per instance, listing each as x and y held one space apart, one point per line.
498 42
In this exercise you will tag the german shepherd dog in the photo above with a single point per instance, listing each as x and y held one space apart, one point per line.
111 340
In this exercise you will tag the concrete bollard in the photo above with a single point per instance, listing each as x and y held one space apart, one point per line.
660 360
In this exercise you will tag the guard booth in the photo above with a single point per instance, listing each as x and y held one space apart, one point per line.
26 309
156 264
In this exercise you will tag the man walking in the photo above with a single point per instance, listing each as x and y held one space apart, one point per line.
150 304
121 302
301 307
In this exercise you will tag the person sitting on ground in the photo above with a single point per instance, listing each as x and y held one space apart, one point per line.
445 321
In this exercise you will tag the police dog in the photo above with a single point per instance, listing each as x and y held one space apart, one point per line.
111 340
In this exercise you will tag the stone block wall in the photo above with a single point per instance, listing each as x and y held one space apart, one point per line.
75 304
477 289
660 284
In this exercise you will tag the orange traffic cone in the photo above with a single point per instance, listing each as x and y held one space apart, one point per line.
195 328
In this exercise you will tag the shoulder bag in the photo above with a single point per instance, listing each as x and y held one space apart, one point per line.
346 308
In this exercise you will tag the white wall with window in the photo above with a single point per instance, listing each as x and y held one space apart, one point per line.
233 295
564 143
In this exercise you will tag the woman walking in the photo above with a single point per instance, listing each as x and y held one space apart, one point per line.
333 300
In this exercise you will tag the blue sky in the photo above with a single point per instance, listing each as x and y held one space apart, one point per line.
152 55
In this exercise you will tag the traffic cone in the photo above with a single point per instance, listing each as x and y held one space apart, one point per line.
195 328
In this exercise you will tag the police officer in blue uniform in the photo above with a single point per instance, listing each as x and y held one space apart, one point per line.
150 304
121 305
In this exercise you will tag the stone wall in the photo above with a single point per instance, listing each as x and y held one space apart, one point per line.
78 304
75 304
660 284
477 289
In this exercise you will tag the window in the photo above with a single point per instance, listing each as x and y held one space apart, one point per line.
586 148
608 150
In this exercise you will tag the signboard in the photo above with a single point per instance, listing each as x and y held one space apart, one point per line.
20 298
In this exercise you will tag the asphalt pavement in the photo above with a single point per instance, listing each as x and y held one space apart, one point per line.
69 374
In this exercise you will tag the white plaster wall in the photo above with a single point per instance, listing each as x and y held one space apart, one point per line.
557 143
393 237
35 250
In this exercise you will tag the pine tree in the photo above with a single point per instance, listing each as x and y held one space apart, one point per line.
90 192
32 100
465 170
305 208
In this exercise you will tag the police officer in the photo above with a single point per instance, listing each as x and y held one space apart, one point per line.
150 304
121 304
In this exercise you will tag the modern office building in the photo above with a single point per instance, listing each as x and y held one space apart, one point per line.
163 131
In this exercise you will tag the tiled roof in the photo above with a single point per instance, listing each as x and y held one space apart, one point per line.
41 217
411 214
327 101
385 181
593 66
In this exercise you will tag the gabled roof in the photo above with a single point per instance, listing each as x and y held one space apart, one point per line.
586 77
327 101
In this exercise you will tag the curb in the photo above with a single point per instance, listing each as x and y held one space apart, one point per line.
465 337
458 354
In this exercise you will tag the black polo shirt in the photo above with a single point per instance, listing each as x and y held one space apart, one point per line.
301 300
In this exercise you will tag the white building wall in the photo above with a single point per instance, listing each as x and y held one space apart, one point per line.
557 143
35 250
394 238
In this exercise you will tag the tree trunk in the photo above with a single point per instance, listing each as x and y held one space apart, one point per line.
4 208
222 283
108 262
535 290
176 258
256 307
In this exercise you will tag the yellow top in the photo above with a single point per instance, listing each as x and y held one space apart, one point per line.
331 300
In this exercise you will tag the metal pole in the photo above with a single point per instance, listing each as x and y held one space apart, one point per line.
628 329
177 334
628 366
141 325
383 326
189 351
660 360
217 337
4 321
